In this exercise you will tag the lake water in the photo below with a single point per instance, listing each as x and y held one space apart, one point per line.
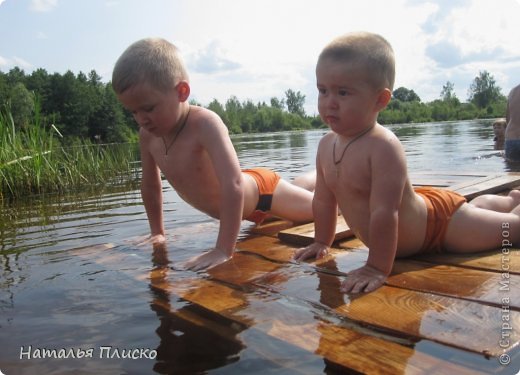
54 297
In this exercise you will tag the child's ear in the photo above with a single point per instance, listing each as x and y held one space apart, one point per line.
183 90
383 98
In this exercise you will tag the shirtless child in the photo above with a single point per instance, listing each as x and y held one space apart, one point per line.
190 145
361 167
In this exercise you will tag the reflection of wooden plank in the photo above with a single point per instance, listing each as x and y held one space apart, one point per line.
303 235
487 185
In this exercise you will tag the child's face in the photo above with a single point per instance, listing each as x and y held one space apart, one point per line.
154 110
346 100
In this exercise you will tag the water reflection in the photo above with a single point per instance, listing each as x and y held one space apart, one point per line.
192 340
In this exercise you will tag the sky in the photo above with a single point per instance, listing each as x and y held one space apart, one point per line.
258 49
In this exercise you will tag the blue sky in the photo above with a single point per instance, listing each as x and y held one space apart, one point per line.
257 49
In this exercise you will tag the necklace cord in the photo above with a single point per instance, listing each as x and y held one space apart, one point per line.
346 147
167 148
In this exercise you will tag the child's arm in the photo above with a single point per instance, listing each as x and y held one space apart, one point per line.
388 181
151 191
325 211
227 168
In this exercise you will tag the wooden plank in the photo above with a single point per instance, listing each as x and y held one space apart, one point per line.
487 185
469 284
414 315
303 235
463 283
405 312
278 318
493 260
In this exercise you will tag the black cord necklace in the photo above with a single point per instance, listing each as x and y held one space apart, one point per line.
336 162
167 147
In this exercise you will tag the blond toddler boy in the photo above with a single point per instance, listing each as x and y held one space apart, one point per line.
361 167
190 145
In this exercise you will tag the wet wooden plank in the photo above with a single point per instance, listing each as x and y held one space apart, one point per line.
277 318
303 235
404 310
487 185
495 260
476 285
469 284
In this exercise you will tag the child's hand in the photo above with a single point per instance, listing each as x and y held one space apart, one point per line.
209 259
316 249
365 279
155 240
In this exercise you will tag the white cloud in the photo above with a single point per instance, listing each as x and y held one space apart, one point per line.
18 61
42 5
3 62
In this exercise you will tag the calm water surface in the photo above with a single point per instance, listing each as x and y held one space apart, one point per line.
54 296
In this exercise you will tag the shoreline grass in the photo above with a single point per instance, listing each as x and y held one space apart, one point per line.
34 160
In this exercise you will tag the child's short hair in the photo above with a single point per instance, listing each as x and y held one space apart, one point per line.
152 60
370 50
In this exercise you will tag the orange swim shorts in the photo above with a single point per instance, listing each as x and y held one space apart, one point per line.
441 204
266 181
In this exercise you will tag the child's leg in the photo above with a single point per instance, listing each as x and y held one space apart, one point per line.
497 202
292 202
474 229
306 181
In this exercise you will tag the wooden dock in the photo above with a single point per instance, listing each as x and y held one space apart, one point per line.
436 314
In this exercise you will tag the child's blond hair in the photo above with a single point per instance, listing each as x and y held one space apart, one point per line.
152 60
371 51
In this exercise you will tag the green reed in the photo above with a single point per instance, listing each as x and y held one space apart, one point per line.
35 159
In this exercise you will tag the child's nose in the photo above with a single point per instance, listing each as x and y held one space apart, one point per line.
141 119
332 102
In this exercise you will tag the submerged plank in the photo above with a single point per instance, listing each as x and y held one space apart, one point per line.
278 318
406 311
479 285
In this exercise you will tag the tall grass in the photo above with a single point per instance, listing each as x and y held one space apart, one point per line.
35 159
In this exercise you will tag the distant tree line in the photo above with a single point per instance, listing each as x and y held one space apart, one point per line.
82 106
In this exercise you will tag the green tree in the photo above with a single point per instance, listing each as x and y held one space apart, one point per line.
295 102
22 105
233 112
405 95
278 103
447 93
483 90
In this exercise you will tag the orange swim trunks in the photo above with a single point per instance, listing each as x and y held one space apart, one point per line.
441 205
266 181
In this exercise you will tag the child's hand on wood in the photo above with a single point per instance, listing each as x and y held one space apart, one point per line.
363 280
209 259
316 250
